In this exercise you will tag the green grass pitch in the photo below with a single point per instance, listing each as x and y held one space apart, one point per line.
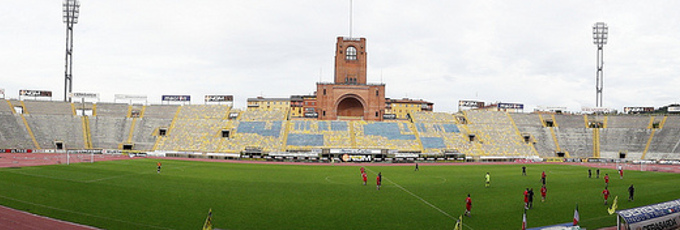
131 195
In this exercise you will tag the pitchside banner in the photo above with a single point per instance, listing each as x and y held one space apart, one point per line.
673 109
219 98
35 93
355 151
356 158
176 98
661 216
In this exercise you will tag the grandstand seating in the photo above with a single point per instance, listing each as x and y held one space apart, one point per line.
108 132
111 110
159 111
578 142
13 133
497 134
4 107
617 140
386 135
50 128
672 121
310 134
633 122
526 119
570 121
665 141
199 128
48 107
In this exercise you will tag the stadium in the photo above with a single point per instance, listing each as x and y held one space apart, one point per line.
344 157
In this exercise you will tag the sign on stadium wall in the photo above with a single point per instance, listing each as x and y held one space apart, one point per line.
35 93
176 98
355 151
219 98
84 95
356 158
596 109
673 109
510 106
551 108
637 109
17 150
660 216
129 97
471 104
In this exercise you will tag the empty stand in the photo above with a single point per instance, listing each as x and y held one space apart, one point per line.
112 110
630 121
108 132
570 121
49 129
13 133
497 134
48 108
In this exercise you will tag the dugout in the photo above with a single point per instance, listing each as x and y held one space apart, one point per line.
661 216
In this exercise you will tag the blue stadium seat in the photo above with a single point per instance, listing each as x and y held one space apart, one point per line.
305 139
433 142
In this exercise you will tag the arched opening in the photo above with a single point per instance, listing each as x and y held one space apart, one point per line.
350 107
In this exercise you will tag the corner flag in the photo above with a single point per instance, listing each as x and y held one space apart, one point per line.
459 223
524 220
576 217
208 221
612 210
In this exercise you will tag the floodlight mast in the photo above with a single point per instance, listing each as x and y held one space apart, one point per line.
71 10
600 34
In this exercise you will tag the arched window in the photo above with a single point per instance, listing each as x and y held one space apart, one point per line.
351 53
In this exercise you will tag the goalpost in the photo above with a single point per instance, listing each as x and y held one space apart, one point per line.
79 156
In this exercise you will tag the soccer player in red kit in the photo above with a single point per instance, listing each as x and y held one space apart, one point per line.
468 205
620 172
605 192
362 170
606 179
543 177
364 177
544 191
377 181
526 198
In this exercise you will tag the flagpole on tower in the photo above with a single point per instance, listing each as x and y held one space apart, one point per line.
350 18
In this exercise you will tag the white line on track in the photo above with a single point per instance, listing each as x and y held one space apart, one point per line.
84 214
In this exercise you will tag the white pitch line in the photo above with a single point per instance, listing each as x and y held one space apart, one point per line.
416 196
125 175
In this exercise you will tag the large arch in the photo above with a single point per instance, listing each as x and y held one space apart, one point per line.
350 105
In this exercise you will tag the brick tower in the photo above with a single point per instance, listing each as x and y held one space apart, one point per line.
350 96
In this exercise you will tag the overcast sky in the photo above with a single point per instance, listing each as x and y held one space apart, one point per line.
532 52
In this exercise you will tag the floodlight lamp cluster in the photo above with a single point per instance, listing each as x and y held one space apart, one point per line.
600 33
71 11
